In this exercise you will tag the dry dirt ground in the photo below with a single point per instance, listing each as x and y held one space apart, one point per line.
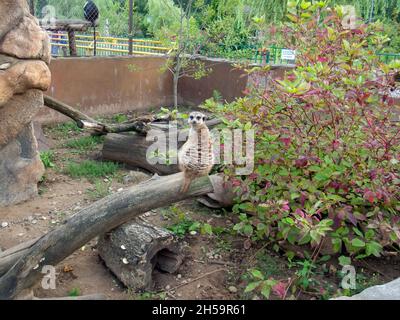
214 266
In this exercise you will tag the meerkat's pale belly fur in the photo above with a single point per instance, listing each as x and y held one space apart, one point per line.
196 155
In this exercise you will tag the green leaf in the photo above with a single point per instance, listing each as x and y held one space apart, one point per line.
288 221
336 198
337 244
305 239
257 274
207 228
314 168
283 172
346 45
322 176
373 248
248 230
357 232
292 17
325 258
195 226
266 290
358 243
344 261
369 234
305 5
251 286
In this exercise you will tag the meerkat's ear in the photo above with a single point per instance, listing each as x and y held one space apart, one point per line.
205 118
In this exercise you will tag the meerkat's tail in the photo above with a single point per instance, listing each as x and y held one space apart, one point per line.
186 184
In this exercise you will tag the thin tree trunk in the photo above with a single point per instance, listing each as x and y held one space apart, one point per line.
176 81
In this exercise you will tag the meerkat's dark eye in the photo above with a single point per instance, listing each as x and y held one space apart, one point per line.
204 118
191 117
198 118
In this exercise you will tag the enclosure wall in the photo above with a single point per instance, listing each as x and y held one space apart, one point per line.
108 85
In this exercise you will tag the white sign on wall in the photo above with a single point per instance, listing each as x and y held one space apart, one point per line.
288 54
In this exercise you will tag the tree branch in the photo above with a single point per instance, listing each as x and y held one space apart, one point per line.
85 122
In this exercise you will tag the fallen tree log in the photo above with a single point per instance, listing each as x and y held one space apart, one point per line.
10 256
131 148
97 219
85 122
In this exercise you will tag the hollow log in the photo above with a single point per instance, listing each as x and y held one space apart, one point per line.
133 250
97 219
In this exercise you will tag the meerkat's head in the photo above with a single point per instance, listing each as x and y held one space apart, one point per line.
197 119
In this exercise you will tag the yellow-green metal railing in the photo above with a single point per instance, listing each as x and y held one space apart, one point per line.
105 46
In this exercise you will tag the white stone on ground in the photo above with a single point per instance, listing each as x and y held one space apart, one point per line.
388 291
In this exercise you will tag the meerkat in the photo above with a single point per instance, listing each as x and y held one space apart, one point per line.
196 155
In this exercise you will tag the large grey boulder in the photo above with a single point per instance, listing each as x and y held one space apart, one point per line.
20 168
24 74
12 12
19 76
17 113
388 291
27 40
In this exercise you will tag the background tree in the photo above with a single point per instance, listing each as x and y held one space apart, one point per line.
228 23
186 37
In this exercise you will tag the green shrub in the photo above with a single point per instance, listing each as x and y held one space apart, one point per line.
327 151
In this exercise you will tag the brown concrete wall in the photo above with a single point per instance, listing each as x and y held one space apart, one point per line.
106 85
224 78
229 81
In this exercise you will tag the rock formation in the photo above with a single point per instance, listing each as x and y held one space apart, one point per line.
24 74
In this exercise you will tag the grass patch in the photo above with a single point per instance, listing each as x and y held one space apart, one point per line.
91 169
146 295
100 190
64 130
48 158
269 265
74 292
85 144
120 118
